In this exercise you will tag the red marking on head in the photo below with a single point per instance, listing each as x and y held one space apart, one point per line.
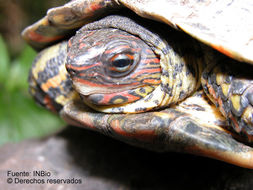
117 48
149 51
82 68
151 81
82 45
85 36
146 71
154 60
98 43
128 55
107 97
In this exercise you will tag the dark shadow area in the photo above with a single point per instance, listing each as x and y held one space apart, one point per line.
104 163
140 169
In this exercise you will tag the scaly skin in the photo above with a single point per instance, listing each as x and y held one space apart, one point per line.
230 87
126 57
49 82
169 130
186 127
173 73
62 21
193 126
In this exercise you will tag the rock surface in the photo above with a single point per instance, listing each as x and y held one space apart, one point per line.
97 162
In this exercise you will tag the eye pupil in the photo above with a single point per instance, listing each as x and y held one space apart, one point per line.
122 62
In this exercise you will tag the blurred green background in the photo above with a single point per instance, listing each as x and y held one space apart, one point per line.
20 116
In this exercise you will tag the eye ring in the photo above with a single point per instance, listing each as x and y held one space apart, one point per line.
121 64
120 58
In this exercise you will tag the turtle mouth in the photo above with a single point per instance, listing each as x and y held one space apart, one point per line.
86 91
101 96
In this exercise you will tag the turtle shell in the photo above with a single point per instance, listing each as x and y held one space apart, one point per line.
223 25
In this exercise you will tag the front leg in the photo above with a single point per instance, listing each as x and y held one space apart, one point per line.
62 21
187 127
229 84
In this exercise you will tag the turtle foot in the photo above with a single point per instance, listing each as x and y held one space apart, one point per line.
168 130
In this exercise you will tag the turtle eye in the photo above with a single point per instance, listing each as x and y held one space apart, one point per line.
121 64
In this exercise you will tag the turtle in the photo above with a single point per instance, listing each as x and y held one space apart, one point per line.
168 76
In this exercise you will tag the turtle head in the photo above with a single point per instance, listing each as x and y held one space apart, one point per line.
110 67
119 66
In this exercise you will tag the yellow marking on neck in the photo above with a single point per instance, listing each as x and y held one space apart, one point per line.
225 89
46 55
235 99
